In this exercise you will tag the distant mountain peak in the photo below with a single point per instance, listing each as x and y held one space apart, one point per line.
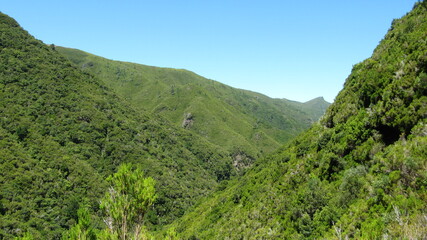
358 173
318 99
235 119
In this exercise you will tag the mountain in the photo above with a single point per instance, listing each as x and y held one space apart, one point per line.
244 123
316 107
63 131
359 173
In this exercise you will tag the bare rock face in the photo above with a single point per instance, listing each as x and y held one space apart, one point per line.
188 121
241 161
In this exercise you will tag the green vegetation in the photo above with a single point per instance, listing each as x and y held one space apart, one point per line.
127 201
83 229
243 123
62 131
124 205
360 173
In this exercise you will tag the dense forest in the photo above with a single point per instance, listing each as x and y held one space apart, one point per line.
360 173
62 132
82 156
245 124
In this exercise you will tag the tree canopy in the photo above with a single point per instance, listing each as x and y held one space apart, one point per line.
127 201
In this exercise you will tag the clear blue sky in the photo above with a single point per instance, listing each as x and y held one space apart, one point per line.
297 50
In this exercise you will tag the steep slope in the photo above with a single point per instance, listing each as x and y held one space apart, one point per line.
62 131
242 122
360 173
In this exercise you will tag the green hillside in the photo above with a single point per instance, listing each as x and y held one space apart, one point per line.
244 123
361 173
62 132
358 173
316 107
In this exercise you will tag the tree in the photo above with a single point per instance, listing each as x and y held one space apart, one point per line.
27 236
127 201
83 230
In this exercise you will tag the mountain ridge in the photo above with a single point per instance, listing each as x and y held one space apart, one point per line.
63 131
359 173
253 123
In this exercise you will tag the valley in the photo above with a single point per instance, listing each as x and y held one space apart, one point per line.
92 148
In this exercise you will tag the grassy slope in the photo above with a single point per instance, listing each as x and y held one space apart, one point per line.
239 121
360 173
62 131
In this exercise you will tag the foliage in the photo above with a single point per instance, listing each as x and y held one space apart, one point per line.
127 201
359 173
84 229
171 234
26 236
244 123
62 131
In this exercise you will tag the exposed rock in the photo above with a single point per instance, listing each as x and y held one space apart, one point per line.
188 120
241 161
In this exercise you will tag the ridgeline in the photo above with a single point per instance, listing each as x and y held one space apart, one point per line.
245 124
359 174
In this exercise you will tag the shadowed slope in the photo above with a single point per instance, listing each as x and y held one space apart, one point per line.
360 173
62 131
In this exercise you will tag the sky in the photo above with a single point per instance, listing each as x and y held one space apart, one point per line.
298 50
